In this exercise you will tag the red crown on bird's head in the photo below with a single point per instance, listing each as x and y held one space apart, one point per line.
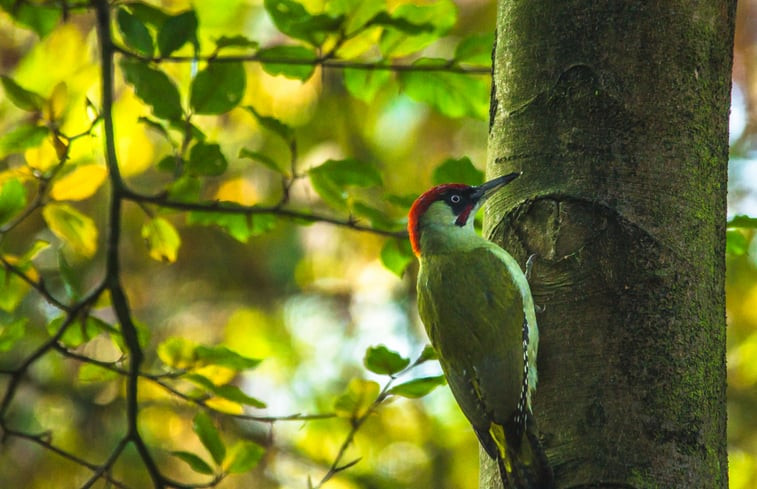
421 205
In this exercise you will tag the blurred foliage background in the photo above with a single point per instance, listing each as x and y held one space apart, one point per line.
260 318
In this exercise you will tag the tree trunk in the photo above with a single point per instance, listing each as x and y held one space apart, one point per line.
617 114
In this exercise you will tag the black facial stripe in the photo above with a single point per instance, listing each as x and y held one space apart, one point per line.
464 202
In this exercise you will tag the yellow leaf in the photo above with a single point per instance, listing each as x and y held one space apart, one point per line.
72 227
224 405
43 157
56 105
239 190
80 183
162 239
357 399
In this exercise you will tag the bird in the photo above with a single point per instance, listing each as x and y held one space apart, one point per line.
476 306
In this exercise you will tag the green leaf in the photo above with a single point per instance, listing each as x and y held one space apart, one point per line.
209 436
13 289
358 13
178 353
237 41
452 94
71 279
402 24
77 333
743 221
194 461
73 228
154 87
237 225
148 14
297 62
185 189
206 159
294 20
235 394
89 372
381 360
427 354
332 178
261 158
20 97
22 137
457 170
162 239
378 218
244 456
396 255
218 88
364 84
176 31
736 243
475 50
11 332
357 399
401 39
272 124
221 355
418 387
135 33
42 19
12 199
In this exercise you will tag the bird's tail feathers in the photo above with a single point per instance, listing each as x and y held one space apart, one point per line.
522 463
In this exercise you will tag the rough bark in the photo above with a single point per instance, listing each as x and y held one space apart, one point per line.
616 111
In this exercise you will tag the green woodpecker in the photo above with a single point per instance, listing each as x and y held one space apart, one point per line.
477 308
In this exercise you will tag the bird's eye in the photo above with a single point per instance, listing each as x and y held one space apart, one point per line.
455 199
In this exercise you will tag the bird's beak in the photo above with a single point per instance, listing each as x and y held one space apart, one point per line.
486 190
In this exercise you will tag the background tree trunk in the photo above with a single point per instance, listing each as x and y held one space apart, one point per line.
617 113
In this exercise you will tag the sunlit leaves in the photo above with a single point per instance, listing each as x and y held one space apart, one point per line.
239 226
75 229
364 84
381 360
453 94
261 158
218 88
418 387
357 399
333 178
736 242
183 354
80 183
475 50
12 199
154 87
13 288
77 332
23 136
229 392
457 170
396 255
241 457
162 239
41 18
20 97
209 436
244 456
11 332
403 39
176 31
135 33
291 18
297 62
